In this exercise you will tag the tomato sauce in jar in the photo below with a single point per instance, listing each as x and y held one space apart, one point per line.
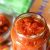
4 27
30 32
4 24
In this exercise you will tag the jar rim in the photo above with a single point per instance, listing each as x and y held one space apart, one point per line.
37 16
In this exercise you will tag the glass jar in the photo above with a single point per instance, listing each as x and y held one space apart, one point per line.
6 22
30 32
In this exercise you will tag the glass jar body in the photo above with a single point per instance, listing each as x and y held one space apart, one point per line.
23 42
20 43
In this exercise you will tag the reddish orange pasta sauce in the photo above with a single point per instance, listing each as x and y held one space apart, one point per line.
29 26
4 26
29 33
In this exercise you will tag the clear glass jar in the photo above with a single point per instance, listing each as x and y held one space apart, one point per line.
6 22
23 38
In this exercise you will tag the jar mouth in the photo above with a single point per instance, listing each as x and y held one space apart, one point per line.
29 15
